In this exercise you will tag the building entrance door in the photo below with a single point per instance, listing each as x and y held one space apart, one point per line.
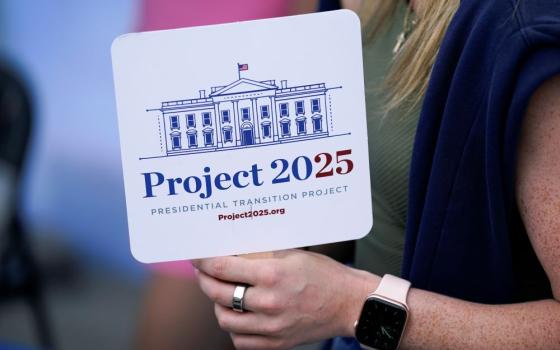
247 137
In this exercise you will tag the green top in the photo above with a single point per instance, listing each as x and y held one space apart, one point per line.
390 149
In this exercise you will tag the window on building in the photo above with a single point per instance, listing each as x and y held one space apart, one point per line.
245 114
191 137
174 121
284 110
285 127
176 141
191 122
301 129
266 130
225 117
206 119
315 106
317 123
299 107
228 134
208 137
264 111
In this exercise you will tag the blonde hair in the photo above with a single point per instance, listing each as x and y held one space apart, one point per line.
408 77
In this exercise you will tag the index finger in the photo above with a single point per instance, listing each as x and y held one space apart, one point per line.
230 268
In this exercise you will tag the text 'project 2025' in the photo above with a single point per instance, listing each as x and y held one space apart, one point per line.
300 168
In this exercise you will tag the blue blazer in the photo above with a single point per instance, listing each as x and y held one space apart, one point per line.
464 235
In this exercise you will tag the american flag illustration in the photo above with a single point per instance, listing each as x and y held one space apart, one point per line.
243 67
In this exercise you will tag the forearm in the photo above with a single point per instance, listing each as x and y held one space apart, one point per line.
440 322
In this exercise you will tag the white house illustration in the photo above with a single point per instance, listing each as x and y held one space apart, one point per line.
245 113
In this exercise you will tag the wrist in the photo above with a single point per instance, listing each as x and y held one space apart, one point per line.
359 284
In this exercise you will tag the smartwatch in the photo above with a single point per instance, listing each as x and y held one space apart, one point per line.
384 314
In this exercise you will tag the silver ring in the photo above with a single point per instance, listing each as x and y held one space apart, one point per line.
237 300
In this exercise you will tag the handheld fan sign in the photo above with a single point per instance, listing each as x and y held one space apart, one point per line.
243 137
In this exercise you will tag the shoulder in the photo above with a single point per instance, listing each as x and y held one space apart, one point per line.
536 11
538 184
539 20
540 139
510 15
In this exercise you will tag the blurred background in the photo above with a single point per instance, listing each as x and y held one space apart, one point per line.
67 278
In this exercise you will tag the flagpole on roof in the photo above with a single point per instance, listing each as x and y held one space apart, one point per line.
238 72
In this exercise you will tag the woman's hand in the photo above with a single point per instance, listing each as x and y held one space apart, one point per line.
294 297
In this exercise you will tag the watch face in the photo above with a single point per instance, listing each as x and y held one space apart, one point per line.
381 324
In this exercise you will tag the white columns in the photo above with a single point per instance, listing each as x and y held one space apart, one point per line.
256 121
273 116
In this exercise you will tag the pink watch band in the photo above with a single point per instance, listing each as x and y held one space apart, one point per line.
393 288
